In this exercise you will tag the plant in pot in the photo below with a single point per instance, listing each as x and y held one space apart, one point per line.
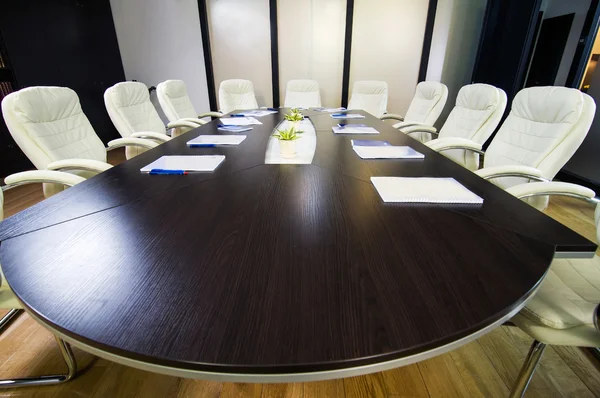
287 141
294 118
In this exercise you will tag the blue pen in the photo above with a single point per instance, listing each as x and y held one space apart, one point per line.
338 114
167 172
201 145
237 115
272 109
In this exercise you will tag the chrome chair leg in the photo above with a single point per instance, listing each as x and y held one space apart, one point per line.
8 317
69 358
526 373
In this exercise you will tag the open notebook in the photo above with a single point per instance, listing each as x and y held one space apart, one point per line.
212 140
185 163
423 190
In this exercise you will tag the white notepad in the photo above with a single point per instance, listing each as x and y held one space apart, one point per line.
217 140
185 163
423 190
239 121
387 152
257 113
354 129
347 116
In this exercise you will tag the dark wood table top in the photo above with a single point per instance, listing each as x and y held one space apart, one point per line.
270 269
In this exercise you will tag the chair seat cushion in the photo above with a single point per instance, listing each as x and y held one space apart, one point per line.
8 300
568 295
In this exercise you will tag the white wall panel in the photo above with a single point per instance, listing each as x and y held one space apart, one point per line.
161 40
311 45
240 37
454 46
387 40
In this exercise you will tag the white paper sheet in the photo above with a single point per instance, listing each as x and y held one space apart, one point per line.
239 121
217 140
258 113
348 116
387 152
423 190
185 162
354 129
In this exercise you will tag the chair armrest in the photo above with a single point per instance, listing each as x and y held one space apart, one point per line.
121 142
444 144
403 125
597 317
79 164
420 129
392 116
195 120
41 176
522 191
151 135
182 123
210 114
532 173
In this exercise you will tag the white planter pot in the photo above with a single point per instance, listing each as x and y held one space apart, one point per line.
287 148
295 125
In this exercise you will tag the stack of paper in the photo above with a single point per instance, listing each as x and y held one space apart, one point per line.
234 129
354 129
239 121
329 110
347 116
184 163
257 113
423 190
212 140
387 152
370 143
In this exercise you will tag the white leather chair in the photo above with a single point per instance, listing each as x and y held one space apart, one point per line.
133 114
370 96
564 311
9 301
302 94
477 113
545 127
236 94
51 129
177 106
424 109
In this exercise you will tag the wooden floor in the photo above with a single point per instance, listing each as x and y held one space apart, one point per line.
484 368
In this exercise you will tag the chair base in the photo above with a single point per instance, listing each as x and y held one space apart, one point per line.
526 373
6 319
65 350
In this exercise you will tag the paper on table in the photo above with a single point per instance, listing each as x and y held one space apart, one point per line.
330 110
354 129
423 190
387 152
347 116
185 163
370 143
258 113
239 121
234 129
217 140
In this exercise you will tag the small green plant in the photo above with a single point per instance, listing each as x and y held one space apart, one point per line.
287 135
294 116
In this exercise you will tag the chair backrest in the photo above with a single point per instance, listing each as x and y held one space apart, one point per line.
302 94
545 127
130 109
236 94
174 101
428 103
48 124
370 96
477 113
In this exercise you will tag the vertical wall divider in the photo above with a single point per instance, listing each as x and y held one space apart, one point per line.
347 51
429 25
274 52
210 76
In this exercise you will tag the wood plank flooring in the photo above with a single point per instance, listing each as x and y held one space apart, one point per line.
484 368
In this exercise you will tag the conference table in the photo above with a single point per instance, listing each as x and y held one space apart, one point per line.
277 272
